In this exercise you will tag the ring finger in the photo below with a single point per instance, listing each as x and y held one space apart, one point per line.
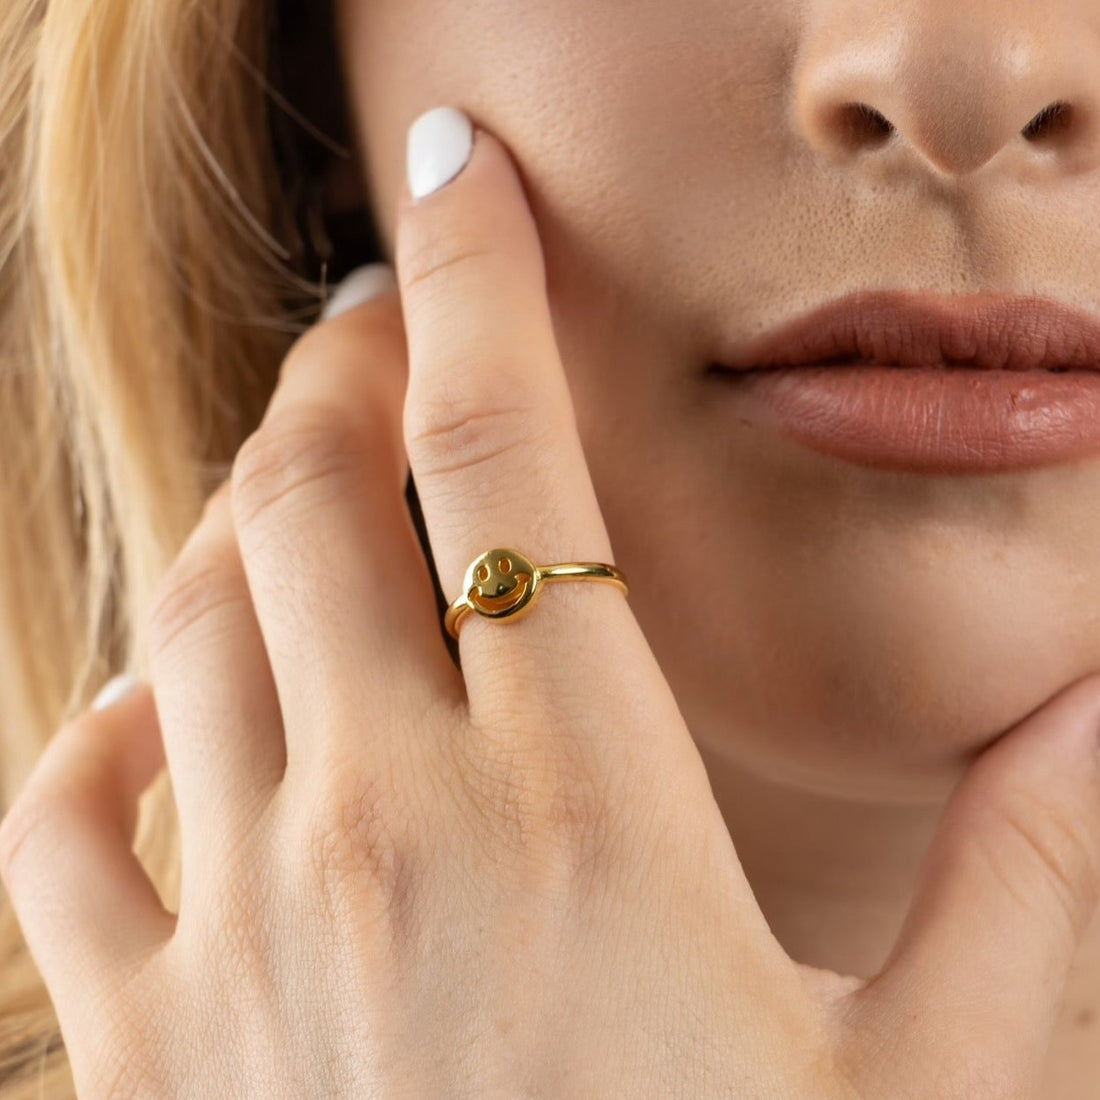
494 444
342 590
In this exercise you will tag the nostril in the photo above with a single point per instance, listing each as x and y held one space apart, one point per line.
860 124
1049 122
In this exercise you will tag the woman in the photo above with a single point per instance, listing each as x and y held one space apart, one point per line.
860 629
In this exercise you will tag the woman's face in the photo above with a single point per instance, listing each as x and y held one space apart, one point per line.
696 182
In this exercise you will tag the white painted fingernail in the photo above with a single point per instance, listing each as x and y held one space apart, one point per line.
358 287
439 147
115 691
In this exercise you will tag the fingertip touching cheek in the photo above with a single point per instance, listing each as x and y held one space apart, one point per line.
701 175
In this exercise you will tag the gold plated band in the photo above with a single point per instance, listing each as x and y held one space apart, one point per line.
502 584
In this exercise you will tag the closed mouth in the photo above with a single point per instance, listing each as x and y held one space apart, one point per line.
906 330
506 602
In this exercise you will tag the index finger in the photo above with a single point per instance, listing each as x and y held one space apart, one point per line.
489 422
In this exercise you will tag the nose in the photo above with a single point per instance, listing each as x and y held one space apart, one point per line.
953 83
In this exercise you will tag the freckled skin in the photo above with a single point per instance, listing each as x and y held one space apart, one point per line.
698 175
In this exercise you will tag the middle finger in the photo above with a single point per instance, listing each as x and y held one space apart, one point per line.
342 591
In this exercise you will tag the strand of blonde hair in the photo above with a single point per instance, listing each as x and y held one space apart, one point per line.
143 314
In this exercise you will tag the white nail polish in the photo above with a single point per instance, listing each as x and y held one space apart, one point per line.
358 287
115 691
440 143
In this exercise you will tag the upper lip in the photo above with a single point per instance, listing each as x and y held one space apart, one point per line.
899 328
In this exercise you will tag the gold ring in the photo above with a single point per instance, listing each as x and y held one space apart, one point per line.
502 584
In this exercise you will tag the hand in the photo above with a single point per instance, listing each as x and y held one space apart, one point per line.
403 880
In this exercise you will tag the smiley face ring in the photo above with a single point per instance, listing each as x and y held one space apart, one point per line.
503 584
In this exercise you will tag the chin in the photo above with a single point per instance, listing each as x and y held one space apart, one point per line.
852 694
859 633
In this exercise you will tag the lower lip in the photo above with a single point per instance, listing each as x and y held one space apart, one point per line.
950 420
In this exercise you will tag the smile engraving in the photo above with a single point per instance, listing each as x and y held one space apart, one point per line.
500 583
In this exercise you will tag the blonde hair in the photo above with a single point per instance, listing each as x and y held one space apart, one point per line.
150 285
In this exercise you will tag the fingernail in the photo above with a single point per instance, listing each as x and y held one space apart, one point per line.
360 286
440 143
115 691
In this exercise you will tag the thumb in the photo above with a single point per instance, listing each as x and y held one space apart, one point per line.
1006 891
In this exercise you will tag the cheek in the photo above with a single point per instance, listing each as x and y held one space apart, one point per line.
603 119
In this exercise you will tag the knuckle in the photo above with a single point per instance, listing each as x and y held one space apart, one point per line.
202 583
1049 837
300 455
21 835
461 430
357 845
544 800
434 261
46 810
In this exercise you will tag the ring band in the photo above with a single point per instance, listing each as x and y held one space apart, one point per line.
502 584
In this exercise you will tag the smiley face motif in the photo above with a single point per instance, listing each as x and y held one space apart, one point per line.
500 583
